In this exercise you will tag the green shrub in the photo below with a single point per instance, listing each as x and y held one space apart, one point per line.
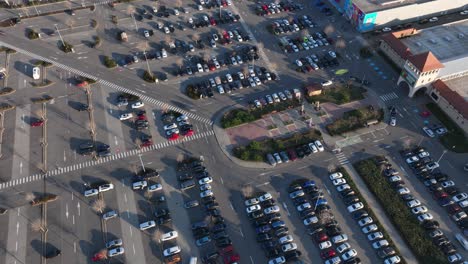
32 34
192 92
6 91
149 77
410 229
354 119
109 62
5 107
66 47
338 95
236 117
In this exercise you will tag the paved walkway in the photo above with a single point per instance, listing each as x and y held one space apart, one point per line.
379 212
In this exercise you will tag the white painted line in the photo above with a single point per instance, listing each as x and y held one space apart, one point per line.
232 207
251 260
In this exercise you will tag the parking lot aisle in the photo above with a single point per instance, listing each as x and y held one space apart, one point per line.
380 213
180 216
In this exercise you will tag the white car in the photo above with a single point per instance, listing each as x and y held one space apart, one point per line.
170 126
419 210
341 248
425 217
365 221
310 220
298 63
169 236
114 243
182 118
424 154
303 206
220 89
369 228
392 260
137 105
36 73
253 208
296 194
332 54
199 67
326 83
252 201
325 245
241 75
413 203
115 252
429 132
171 251
339 181
266 196
229 77
394 178
109 215
313 148
285 239
205 187
336 175
139 185
393 121
319 145
433 19
459 216
257 104
125 116
374 236
343 187
147 225
106 187
206 193
432 165
386 29
447 184
412 159
91 192
276 98
349 254
289 247
278 260
339 238
282 96
155 187
272 209
380 244
146 34
205 180
403 191
460 197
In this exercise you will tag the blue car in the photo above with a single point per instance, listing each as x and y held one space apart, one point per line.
321 201
308 184
263 229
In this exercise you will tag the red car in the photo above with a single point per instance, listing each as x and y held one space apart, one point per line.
37 123
141 117
328 254
82 84
425 113
189 133
174 136
453 208
292 155
212 67
225 35
212 21
320 237
146 143
230 259
440 195
99 256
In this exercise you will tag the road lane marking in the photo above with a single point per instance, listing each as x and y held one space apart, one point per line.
131 232
240 231
286 208
251 260
232 207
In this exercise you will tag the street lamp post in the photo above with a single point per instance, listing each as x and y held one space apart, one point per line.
141 161
441 156
134 21
60 35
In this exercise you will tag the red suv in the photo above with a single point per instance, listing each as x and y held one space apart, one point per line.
37 123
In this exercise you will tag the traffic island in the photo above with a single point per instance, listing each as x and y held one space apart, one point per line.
6 91
355 119
45 83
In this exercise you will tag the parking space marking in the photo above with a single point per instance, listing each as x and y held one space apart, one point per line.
86 164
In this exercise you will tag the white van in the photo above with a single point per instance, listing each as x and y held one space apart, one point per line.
462 240
36 73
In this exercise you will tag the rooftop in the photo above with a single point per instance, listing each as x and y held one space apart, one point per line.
452 96
368 6
458 85
425 62
445 42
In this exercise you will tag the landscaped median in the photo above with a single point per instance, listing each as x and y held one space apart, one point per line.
241 116
371 213
455 139
397 211
338 95
355 119
257 150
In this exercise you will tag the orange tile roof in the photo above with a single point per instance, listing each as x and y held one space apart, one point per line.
454 98
401 49
425 62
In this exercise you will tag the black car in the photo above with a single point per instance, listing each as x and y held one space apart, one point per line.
354 260
386 252
53 253
164 219
348 192
293 188
323 207
268 203
218 228
306 150
306 213
397 184
211 205
350 199
257 214
359 214
431 225
272 253
161 212
281 231
224 242
201 232
210 256
264 237
440 177
214 212
269 244
334 231
451 190
208 199
299 200
292 255
260 222
300 152
448 248
272 217
407 197
219 235
82 107
185 177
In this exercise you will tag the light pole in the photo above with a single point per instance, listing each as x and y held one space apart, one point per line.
60 35
141 161
134 21
318 199
443 153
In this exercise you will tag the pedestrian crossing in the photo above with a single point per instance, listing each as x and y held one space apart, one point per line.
342 159
389 96
117 156
145 98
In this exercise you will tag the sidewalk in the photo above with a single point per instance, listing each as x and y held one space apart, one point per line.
381 215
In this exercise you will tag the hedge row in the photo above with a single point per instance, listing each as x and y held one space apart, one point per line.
410 229
354 119
371 213
241 116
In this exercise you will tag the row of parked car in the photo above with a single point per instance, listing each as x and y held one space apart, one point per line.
225 17
276 8
176 124
271 232
314 63
213 231
304 43
295 24
445 192
277 97
293 154
368 225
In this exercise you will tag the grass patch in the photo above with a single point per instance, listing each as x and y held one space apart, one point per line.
354 119
371 213
339 95
405 222
257 150
455 136
241 116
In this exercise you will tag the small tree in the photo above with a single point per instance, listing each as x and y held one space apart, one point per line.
32 34
66 47
109 62
99 205
149 77
94 23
